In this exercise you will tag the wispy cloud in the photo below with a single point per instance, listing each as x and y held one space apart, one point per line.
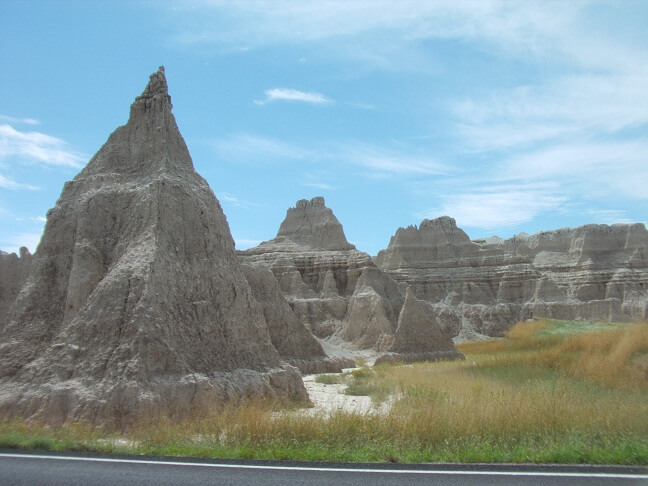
37 219
375 160
496 207
385 161
254 24
18 121
257 149
319 185
235 201
37 147
573 106
12 243
287 94
608 216
245 243
7 183
594 169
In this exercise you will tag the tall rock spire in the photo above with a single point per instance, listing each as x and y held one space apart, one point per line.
135 302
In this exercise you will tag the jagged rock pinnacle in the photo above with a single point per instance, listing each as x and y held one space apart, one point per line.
157 86
150 141
311 223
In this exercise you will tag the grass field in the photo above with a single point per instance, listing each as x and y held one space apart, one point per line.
551 392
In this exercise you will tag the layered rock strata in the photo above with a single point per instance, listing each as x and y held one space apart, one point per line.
334 289
594 272
13 273
136 304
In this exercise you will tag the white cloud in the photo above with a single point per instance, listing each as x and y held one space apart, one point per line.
569 107
615 168
256 149
13 243
376 160
496 207
608 216
252 24
286 94
24 121
37 219
235 201
245 243
319 185
385 161
7 183
37 147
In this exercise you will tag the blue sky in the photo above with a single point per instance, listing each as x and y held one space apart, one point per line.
507 116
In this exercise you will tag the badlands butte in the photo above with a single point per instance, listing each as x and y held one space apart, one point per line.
136 304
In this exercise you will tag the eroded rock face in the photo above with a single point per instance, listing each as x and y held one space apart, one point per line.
336 290
325 279
419 336
594 272
295 344
312 224
13 273
136 304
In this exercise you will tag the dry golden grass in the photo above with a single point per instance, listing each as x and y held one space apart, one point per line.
615 357
533 396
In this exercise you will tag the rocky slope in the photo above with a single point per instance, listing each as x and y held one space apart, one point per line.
419 336
295 344
13 273
336 290
595 272
136 304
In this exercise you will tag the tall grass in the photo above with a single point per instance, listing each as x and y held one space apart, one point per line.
532 397
617 357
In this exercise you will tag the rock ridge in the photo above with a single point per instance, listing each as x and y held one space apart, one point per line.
595 272
339 294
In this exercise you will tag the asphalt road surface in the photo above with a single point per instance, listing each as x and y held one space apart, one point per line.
28 468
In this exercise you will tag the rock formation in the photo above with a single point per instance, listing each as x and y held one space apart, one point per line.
136 304
594 272
334 289
295 344
419 336
13 273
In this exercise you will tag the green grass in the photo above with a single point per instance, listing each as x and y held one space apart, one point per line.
533 397
329 379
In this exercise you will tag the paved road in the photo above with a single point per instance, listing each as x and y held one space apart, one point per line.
18 468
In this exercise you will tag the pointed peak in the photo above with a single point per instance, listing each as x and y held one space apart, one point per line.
157 85
156 93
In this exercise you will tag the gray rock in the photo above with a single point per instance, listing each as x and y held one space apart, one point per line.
332 288
295 344
339 293
594 272
136 304
419 336
312 224
13 273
